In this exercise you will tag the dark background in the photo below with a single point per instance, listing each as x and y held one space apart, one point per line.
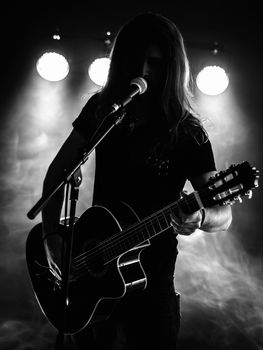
219 275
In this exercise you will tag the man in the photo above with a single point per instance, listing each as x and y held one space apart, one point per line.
144 162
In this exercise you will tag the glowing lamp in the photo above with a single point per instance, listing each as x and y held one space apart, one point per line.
52 66
212 80
98 70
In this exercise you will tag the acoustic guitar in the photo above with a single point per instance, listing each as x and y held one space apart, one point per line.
106 251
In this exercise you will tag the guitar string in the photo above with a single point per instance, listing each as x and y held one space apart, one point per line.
135 224
83 258
103 246
90 258
122 235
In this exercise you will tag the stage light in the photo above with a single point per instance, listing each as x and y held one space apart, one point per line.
213 77
53 65
98 70
212 80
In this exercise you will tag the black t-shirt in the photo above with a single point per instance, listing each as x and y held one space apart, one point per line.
138 165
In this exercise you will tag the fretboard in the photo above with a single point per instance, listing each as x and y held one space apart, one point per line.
148 228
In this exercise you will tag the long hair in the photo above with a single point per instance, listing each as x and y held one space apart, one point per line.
126 62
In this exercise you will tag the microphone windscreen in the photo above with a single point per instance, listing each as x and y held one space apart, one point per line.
141 83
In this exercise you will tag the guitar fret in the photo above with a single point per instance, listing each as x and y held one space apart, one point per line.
167 222
125 244
163 222
151 230
168 213
122 246
193 202
136 240
144 234
109 253
148 228
156 226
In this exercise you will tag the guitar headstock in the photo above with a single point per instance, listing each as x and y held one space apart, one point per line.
230 185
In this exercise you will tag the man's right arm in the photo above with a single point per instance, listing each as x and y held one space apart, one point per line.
65 160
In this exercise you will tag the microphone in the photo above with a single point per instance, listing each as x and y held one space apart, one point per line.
137 86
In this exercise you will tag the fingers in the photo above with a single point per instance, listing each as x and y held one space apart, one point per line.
175 223
55 270
183 229
186 224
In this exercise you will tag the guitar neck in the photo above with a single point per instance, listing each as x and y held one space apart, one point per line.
149 227
223 188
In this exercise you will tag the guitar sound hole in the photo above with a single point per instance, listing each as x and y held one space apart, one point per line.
94 262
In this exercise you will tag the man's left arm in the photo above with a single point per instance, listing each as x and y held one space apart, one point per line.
211 219
216 218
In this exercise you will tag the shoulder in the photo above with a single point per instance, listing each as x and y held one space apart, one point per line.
199 135
85 123
193 130
89 110
92 103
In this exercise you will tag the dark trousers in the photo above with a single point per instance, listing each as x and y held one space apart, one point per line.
139 322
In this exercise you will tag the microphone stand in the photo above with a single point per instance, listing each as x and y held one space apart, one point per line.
74 183
73 178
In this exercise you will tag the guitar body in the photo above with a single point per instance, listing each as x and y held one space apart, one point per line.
93 294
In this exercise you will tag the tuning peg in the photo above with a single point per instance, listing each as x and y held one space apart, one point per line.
228 202
249 194
239 199
215 176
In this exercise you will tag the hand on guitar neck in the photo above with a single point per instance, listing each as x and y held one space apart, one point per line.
187 224
54 247
53 244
